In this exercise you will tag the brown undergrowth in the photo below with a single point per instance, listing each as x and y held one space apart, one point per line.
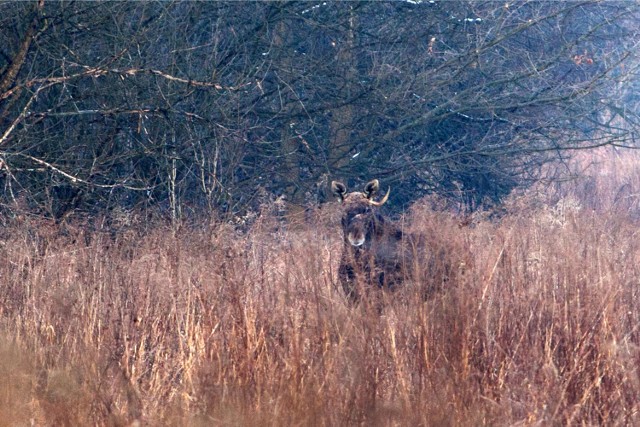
209 326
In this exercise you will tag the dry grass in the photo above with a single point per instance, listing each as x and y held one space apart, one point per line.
205 326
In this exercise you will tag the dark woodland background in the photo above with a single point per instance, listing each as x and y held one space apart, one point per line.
189 108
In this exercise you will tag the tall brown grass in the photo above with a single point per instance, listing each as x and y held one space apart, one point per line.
208 326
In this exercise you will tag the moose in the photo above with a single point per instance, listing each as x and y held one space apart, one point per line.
377 252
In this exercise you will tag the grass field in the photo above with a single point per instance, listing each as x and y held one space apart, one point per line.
208 326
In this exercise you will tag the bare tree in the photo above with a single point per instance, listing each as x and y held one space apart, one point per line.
475 97
189 107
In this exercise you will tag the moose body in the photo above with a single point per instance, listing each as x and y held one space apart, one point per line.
376 251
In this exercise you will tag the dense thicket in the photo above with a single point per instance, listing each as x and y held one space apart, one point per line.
216 106
205 326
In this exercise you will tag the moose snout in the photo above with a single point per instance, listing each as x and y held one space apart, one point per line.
356 239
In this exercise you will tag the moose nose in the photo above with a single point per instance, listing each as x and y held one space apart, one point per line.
355 240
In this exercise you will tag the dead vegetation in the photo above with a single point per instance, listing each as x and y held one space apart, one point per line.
208 326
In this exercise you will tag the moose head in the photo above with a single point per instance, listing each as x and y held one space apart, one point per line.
360 220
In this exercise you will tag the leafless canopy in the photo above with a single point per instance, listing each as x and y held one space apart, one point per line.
187 107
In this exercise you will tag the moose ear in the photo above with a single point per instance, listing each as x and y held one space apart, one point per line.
338 189
371 188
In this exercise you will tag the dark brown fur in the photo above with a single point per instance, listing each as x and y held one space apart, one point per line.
376 251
